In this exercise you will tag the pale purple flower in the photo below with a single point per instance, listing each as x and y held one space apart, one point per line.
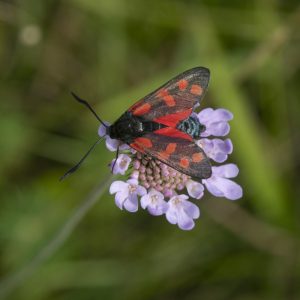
121 165
154 202
216 149
102 130
127 194
182 212
215 121
220 186
195 189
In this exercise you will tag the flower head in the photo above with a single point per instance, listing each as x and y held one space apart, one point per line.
182 212
121 164
154 202
127 194
220 186
216 149
162 190
215 121
195 189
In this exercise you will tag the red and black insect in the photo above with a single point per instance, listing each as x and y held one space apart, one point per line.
161 125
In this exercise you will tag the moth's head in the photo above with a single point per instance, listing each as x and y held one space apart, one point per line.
127 124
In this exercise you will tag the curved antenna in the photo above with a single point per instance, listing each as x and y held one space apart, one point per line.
84 102
73 169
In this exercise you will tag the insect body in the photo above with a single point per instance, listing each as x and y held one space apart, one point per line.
129 127
161 125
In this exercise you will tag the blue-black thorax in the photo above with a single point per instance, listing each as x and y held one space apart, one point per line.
191 126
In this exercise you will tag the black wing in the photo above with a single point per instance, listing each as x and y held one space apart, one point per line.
176 97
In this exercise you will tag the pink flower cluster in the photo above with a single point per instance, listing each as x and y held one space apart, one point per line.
161 190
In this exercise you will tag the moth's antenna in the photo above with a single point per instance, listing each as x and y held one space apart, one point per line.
73 169
84 102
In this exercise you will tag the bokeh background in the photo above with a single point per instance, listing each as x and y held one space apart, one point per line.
113 53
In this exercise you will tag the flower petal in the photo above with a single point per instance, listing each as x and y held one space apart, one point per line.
220 157
223 187
227 171
123 147
120 198
145 201
171 215
195 189
117 186
182 212
230 189
216 149
184 221
158 209
112 144
132 181
131 203
141 191
212 188
222 114
154 202
225 146
181 197
215 121
121 165
205 114
102 130
192 210
218 129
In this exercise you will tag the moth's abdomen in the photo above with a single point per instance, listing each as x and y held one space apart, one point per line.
191 126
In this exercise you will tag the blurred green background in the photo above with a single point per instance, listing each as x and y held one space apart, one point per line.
112 53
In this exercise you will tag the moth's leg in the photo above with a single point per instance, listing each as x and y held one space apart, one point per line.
117 155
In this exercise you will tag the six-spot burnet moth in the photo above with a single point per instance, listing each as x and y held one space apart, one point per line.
162 125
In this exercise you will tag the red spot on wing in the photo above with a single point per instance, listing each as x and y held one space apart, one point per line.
196 89
137 147
163 155
136 105
162 93
172 119
169 100
184 162
197 157
143 142
173 132
182 84
171 147
141 110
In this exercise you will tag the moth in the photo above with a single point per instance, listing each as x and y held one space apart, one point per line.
163 126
